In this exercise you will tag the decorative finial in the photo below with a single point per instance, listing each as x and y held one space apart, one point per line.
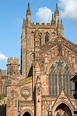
28 4
56 7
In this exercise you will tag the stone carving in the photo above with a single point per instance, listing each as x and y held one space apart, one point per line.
25 92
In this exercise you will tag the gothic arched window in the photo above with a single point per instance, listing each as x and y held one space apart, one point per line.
46 38
59 77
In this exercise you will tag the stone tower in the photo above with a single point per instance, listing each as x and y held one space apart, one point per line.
28 37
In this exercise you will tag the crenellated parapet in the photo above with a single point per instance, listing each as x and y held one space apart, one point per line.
13 60
12 67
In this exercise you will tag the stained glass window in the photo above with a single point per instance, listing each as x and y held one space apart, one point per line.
59 78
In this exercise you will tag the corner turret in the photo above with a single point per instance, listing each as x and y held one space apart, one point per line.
12 67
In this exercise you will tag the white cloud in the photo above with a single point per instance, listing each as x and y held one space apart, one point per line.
2 56
44 14
68 8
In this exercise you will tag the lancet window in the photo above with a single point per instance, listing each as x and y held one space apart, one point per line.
46 37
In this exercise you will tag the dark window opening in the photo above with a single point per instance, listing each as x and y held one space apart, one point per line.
40 40
46 38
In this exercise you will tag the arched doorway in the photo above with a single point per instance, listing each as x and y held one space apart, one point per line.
63 110
27 114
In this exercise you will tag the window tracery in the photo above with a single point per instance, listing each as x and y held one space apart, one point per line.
59 78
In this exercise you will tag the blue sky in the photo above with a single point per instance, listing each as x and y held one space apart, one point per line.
12 13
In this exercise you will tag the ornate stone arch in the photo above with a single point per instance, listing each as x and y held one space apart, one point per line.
69 105
27 110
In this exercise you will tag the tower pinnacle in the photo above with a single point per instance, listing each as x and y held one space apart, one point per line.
28 13
56 15
57 11
28 10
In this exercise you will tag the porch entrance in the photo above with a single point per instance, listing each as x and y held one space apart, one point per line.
63 110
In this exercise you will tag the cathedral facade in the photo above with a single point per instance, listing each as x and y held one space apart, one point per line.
48 61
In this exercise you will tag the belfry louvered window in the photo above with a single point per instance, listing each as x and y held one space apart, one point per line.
59 77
